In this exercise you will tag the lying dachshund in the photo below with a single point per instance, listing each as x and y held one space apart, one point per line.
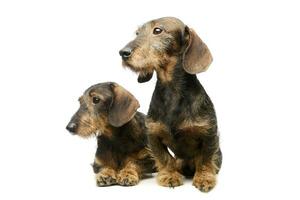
109 111
181 116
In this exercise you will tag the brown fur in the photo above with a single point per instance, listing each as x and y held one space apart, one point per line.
181 116
169 178
130 174
205 175
166 74
107 176
108 111
92 124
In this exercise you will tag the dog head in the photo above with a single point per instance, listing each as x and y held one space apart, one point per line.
164 41
102 107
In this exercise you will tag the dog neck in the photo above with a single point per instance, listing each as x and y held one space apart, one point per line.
173 73
165 73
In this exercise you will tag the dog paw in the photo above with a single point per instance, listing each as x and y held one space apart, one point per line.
106 177
205 181
169 179
128 178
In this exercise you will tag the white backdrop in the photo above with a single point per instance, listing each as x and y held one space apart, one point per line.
51 51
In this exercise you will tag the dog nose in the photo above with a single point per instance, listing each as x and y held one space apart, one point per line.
71 127
125 52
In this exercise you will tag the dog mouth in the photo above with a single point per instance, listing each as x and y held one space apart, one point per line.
144 74
86 130
137 69
127 64
87 135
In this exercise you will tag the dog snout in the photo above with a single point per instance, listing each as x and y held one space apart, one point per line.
71 127
125 53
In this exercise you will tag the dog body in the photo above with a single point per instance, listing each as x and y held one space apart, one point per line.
181 116
109 111
184 115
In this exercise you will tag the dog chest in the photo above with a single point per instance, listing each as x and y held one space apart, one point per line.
183 145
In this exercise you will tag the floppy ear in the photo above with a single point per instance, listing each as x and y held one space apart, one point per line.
196 57
144 77
123 107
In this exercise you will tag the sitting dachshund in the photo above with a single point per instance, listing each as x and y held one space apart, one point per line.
109 112
181 116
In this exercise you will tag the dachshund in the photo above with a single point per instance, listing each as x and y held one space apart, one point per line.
109 112
181 116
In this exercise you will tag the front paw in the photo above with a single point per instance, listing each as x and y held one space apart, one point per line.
205 181
106 177
128 178
169 179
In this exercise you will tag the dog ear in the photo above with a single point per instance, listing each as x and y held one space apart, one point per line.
123 107
144 77
196 57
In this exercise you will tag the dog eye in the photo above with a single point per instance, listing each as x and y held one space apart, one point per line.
157 31
96 100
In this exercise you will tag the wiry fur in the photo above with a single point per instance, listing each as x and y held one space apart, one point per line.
122 156
181 116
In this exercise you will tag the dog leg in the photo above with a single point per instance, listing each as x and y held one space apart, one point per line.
205 177
167 176
129 175
145 160
106 177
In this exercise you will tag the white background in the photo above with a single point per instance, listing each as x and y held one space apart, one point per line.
51 51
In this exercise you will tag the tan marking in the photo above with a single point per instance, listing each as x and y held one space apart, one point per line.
165 74
205 177
158 129
205 123
106 176
199 125
205 180
169 178
144 153
129 175
89 125
169 166
150 53
93 94
155 127
151 62
143 59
